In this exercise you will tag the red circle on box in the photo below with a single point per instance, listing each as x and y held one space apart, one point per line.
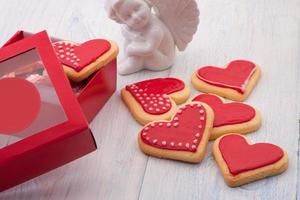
20 104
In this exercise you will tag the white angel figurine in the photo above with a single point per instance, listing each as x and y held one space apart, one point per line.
152 29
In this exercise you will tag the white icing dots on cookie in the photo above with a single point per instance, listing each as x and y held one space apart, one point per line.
65 52
184 132
176 124
151 103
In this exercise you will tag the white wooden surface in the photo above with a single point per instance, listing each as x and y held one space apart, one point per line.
265 31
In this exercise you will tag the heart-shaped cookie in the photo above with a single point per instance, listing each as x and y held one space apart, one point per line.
155 99
183 138
80 61
20 104
232 117
235 82
241 162
77 56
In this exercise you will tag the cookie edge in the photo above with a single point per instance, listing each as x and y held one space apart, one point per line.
241 128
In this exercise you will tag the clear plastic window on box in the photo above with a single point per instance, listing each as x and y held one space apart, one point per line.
29 66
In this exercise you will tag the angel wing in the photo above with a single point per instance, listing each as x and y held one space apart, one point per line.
181 17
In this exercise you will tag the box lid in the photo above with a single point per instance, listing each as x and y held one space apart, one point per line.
37 101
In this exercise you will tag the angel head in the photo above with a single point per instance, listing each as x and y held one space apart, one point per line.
134 13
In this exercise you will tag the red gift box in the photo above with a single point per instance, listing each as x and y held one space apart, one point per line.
48 116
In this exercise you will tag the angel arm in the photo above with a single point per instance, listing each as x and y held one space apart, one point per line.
152 42
127 38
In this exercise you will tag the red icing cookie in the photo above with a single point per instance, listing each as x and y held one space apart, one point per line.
80 62
152 95
155 99
186 134
78 56
241 162
235 76
235 81
230 117
227 113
